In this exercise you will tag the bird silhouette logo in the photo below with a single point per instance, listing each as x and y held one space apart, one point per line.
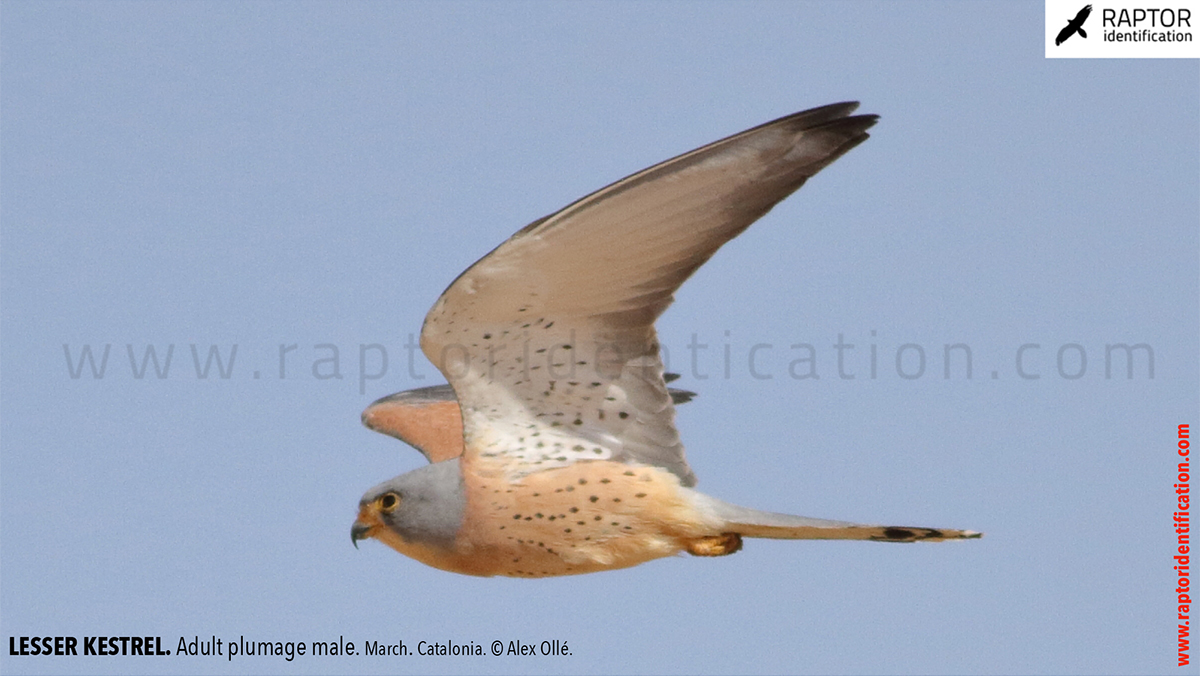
1074 26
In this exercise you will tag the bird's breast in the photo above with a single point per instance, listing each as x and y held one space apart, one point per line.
585 517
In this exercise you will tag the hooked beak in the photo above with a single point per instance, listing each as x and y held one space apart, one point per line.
366 525
359 531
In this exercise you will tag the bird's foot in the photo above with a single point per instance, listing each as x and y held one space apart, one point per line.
715 545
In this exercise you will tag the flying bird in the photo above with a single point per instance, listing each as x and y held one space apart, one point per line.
1074 26
553 450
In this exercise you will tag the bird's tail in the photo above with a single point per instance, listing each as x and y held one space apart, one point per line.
758 524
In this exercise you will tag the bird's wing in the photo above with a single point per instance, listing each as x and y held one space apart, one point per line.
1082 15
1065 33
549 340
429 419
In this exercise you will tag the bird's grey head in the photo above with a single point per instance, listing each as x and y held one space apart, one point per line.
422 507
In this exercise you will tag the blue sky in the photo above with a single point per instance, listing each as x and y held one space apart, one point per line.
314 174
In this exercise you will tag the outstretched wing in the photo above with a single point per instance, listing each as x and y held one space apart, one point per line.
1065 33
429 420
1074 25
549 340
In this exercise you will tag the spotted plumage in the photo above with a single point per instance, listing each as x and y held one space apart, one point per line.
554 450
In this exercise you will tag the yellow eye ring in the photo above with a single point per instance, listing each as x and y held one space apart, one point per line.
389 502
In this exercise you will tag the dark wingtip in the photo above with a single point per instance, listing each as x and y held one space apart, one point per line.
677 396
681 396
834 114
430 395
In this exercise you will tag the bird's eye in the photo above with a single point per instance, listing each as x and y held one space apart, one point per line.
389 502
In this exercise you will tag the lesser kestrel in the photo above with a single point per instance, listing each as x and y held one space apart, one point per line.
555 452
